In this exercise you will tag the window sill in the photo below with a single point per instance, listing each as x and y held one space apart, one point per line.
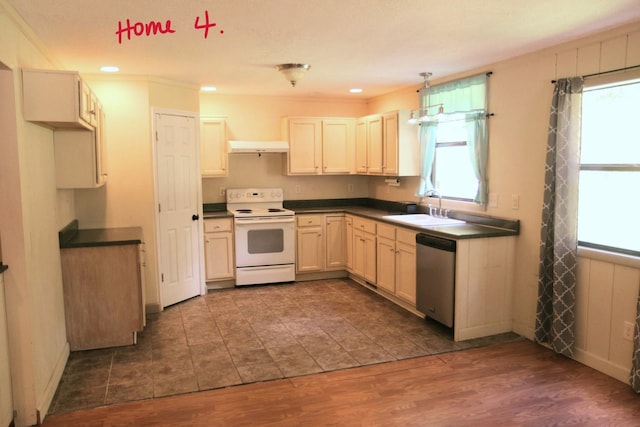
611 257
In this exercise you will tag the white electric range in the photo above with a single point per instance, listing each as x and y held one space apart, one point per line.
264 236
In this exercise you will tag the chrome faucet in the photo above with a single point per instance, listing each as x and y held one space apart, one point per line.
434 193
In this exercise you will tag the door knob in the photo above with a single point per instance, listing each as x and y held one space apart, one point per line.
195 217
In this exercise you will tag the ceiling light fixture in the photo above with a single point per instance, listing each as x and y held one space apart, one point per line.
355 90
293 72
109 69
208 88
422 114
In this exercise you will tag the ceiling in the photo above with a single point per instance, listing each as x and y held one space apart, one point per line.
377 45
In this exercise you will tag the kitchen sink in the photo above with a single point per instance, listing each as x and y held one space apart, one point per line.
423 220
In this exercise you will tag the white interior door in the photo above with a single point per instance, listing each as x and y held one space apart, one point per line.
178 186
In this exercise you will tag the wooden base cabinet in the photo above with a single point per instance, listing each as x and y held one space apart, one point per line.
103 295
219 249
396 261
364 249
321 243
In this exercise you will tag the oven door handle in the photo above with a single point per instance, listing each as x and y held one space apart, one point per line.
278 220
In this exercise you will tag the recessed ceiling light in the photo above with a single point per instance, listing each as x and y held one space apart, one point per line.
355 90
208 88
109 69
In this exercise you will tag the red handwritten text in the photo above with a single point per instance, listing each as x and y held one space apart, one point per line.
139 29
206 25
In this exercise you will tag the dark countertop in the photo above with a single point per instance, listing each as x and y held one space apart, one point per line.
484 227
72 237
476 226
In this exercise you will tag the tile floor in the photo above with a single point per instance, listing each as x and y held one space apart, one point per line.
248 334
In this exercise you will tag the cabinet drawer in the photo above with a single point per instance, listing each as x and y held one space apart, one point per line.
364 225
217 225
309 220
404 235
386 230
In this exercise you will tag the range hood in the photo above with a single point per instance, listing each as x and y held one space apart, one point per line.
258 146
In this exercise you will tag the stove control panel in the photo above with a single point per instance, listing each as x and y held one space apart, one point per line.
255 195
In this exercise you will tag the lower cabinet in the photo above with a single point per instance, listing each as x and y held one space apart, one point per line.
219 249
364 249
310 246
321 242
396 261
103 295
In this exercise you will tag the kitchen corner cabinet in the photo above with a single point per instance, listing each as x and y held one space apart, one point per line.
60 99
364 249
396 261
213 147
319 146
387 144
321 243
80 157
348 234
218 249
103 295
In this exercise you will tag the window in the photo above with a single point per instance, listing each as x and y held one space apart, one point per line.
609 197
454 142
453 174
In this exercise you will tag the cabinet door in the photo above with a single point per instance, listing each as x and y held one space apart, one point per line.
337 146
374 144
305 146
370 257
349 241
361 146
310 251
78 158
218 253
386 264
390 144
406 272
213 147
336 244
359 252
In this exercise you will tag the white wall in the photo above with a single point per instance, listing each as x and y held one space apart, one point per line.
29 222
520 93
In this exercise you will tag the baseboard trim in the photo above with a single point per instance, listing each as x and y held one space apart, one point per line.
618 372
44 402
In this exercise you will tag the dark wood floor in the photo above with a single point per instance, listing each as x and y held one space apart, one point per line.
512 384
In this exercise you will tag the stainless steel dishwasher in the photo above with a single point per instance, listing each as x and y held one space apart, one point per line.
435 277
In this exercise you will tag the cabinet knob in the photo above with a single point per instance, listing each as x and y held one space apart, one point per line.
195 217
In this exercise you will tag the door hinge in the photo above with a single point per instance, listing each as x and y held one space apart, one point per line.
159 208
156 136
162 277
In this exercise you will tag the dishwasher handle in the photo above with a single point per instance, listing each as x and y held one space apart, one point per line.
436 242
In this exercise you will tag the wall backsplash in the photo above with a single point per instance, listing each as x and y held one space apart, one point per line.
251 170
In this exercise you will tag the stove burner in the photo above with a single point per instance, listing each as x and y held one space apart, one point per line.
244 210
275 210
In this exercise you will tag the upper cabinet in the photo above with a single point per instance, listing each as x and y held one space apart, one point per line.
59 99
387 144
213 147
319 146
63 101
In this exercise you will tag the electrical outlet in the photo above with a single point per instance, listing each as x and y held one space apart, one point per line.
298 189
627 332
515 201
222 191
350 188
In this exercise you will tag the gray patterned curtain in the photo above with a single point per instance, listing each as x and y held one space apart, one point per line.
634 376
555 317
